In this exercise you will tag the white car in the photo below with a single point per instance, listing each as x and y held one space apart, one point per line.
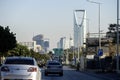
20 68
54 67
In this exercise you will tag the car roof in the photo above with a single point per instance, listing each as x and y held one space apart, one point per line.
53 61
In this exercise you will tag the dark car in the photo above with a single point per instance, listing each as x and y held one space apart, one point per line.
54 67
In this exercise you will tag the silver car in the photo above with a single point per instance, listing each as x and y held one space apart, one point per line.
53 67
20 68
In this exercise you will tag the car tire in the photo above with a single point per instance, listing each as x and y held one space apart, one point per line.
46 74
61 74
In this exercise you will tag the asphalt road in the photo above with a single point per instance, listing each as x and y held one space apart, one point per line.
69 74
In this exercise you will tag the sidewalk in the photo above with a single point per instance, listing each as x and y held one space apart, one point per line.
103 75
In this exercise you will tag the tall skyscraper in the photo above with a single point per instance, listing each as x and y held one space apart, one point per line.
65 43
39 39
44 43
79 28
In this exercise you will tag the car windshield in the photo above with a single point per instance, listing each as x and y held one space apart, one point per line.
20 61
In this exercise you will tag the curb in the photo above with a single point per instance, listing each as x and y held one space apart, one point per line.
92 73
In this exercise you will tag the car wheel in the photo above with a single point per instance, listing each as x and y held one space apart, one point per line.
61 74
46 74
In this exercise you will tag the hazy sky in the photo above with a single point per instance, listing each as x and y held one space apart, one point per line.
52 18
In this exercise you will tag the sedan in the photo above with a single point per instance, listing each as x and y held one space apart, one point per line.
20 68
53 67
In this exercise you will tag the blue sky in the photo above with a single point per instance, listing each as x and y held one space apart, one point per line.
52 18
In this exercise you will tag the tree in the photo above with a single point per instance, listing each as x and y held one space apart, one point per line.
112 33
7 40
19 50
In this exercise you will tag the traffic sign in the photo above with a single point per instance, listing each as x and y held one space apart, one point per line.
100 52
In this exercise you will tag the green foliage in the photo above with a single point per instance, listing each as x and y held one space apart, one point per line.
19 50
112 33
7 40
70 56
9 46
38 56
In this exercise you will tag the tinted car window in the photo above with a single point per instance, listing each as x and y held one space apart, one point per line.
54 64
19 61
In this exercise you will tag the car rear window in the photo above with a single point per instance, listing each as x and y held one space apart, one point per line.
53 63
20 61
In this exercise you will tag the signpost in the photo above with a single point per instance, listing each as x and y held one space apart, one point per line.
100 53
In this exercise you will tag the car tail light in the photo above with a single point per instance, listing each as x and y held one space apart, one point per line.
32 69
5 69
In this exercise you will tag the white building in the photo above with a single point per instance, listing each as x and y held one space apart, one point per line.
32 45
65 43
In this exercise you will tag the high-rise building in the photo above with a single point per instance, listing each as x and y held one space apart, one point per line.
39 39
79 28
44 43
62 42
65 43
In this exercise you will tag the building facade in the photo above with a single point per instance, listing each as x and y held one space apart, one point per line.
31 45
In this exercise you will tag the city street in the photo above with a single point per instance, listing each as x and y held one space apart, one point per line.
70 74
77 39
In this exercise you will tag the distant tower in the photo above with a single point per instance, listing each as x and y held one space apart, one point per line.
44 43
39 39
63 42
79 28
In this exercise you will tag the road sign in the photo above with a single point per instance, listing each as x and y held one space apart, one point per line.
58 51
100 52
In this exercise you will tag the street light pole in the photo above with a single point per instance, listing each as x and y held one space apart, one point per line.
117 36
99 28
98 20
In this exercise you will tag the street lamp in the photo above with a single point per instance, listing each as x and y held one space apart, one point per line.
98 20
